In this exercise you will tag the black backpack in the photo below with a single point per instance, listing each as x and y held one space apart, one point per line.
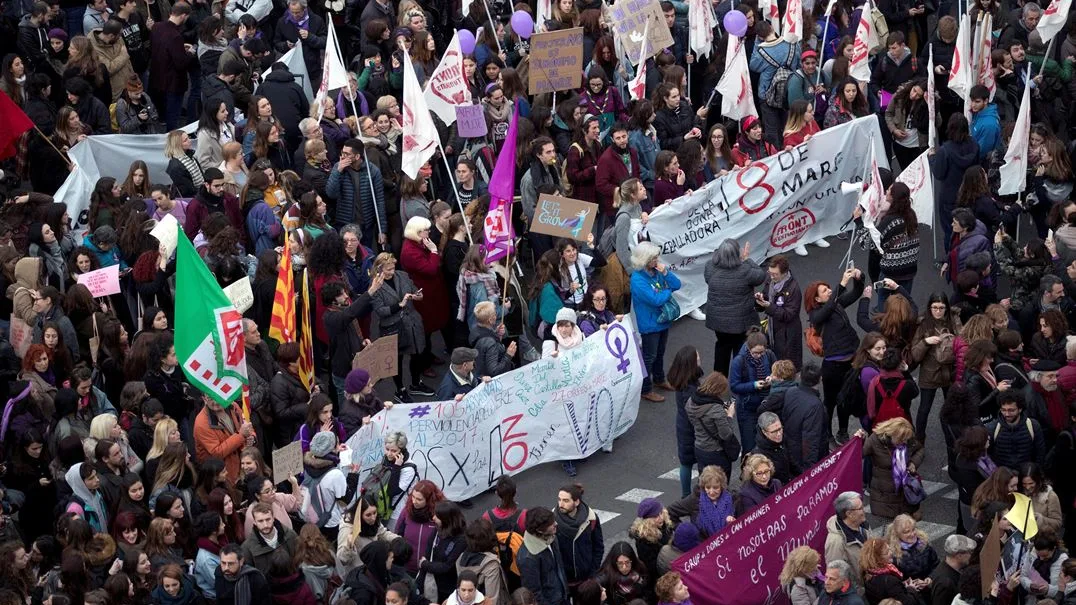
851 398
509 541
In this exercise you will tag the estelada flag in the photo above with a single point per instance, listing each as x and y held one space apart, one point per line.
13 124
282 323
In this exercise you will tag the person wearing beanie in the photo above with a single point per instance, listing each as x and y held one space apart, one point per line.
750 145
332 491
460 378
566 334
684 538
359 403
651 531
135 113
804 83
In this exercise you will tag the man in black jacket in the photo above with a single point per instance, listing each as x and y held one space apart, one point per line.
494 358
945 581
33 42
770 443
289 102
460 378
345 336
804 419
140 435
237 583
1015 438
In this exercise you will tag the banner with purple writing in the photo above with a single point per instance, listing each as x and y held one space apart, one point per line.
740 565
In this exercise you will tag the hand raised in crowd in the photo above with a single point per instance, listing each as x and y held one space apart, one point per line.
376 282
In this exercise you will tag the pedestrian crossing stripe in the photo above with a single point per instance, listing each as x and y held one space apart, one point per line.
604 516
674 475
637 495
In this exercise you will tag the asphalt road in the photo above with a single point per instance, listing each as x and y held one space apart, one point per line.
644 462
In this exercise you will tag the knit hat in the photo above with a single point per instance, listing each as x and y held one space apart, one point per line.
323 444
748 123
403 31
566 314
957 544
685 536
134 84
104 235
462 355
57 34
649 508
356 381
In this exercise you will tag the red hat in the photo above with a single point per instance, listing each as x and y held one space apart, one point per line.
748 123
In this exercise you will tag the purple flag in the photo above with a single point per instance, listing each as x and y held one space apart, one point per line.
498 226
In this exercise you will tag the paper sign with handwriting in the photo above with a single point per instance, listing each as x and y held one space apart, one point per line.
471 121
102 282
240 294
167 232
629 23
379 359
564 217
287 461
556 60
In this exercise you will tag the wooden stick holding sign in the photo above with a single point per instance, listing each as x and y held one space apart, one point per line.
564 217
379 358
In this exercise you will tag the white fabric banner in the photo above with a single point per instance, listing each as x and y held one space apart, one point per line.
561 408
112 154
793 197
920 181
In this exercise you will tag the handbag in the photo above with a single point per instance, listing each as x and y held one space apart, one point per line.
813 339
670 311
913 490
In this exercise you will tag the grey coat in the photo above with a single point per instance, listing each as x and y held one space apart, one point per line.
730 302
391 319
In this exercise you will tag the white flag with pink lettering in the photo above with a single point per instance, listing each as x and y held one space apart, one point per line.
866 39
737 97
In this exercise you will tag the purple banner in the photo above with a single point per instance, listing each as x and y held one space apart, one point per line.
740 565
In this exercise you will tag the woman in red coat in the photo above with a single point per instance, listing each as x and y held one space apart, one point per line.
582 160
800 126
419 257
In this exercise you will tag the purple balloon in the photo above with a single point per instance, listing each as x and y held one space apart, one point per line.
467 41
523 24
735 23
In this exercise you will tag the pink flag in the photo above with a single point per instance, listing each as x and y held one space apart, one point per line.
793 21
498 226
419 131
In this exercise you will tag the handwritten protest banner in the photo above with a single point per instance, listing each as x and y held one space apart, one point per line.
240 294
102 282
379 359
739 565
629 23
564 217
287 461
471 121
792 197
167 232
21 335
556 60
561 408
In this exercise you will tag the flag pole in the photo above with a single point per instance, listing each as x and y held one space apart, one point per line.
456 191
53 145
1046 57
822 47
489 17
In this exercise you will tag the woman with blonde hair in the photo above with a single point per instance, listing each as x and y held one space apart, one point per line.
615 276
395 313
912 552
710 506
650 530
652 287
799 576
183 168
800 126
422 261
165 432
233 167
757 482
881 578
894 454
106 426
175 473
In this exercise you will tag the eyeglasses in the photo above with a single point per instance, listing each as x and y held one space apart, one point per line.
267 491
599 299
762 472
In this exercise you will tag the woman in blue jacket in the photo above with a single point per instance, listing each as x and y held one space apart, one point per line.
263 227
749 380
652 285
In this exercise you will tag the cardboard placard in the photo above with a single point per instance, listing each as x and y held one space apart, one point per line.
471 121
167 233
564 217
990 557
287 461
379 359
556 60
102 282
240 294
21 336
629 22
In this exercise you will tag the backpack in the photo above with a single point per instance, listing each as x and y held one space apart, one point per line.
607 243
890 407
565 184
383 490
313 509
943 351
777 94
881 28
1027 423
509 541
851 398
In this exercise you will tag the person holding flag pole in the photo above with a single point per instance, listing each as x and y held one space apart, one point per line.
1051 22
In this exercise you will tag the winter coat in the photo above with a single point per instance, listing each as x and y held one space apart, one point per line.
263 227
713 427
581 166
419 534
1048 512
182 178
289 400
541 570
257 553
582 549
493 359
768 57
730 303
116 60
649 291
354 200
885 500
948 166
888 586
169 389
785 331
492 582
742 378
685 431
844 597
291 590
932 374
831 322
784 468
130 123
918 561
424 268
1014 443
169 60
444 554
804 419
752 494
344 338
287 31
672 125
27 271
843 546
33 45
213 439
391 319
290 104
611 172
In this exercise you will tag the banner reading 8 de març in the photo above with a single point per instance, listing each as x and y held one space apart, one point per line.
560 408
793 197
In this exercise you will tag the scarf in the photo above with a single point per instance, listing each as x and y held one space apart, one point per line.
572 341
341 109
776 287
467 278
54 260
380 142
899 459
988 374
188 161
212 547
888 569
713 515
758 366
986 466
301 23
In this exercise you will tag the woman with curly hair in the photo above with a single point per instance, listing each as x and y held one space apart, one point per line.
881 577
799 576
652 529
1048 342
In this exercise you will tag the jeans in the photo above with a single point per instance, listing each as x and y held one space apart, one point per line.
170 107
194 99
685 480
726 347
922 415
747 420
338 384
74 20
654 358
833 373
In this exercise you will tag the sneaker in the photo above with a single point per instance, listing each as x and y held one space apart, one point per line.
697 315
402 396
569 467
422 390
842 437
822 243
801 250
608 448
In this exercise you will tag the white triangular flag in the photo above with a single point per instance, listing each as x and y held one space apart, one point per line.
1053 19
333 72
737 98
637 86
920 181
793 21
865 40
447 87
960 78
1014 171
419 132
701 21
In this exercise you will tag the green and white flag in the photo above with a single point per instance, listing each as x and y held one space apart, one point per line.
209 330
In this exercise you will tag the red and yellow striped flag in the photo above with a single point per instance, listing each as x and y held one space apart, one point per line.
282 325
306 339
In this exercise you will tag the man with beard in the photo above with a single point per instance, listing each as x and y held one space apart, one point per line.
237 583
111 468
212 198
579 536
541 567
617 163
1045 401
268 536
